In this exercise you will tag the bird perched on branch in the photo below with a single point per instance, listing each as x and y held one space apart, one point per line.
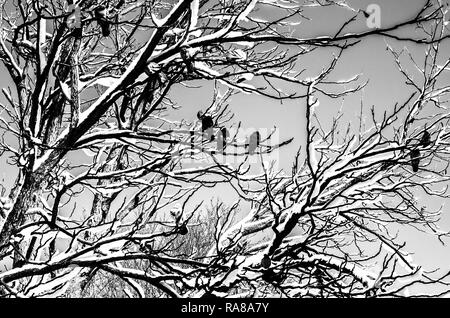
270 276
253 142
187 61
101 15
426 138
266 262
415 159
120 4
183 230
207 124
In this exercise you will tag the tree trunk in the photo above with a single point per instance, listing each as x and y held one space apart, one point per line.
32 183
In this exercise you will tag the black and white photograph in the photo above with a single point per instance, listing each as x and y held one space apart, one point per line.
224 150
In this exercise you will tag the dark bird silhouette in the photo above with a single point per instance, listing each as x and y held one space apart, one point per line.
415 159
271 277
253 142
77 33
222 137
185 56
207 124
183 230
120 4
426 138
102 20
266 262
